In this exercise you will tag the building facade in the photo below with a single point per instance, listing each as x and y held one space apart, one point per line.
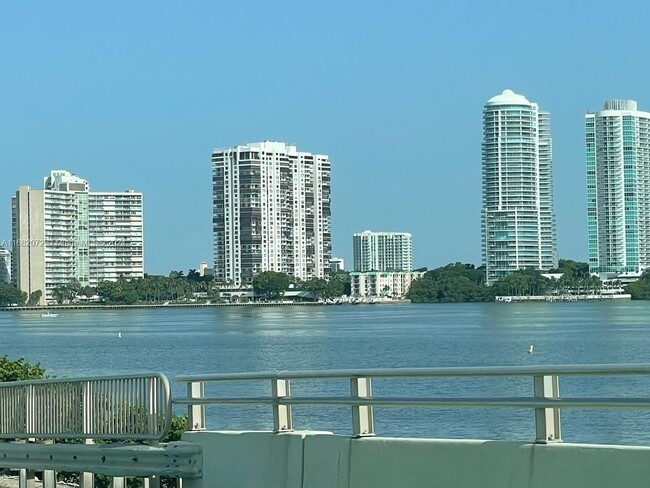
5 266
381 284
517 218
336 265
618 189
382 251
271 212
65 233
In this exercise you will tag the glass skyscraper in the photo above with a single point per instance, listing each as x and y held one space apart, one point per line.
518 222
618 189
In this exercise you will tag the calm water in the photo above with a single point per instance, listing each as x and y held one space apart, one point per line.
234 339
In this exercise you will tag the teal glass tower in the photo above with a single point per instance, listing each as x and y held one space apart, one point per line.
618 189
518 221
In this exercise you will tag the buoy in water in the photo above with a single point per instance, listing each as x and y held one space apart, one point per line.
530 349
119 334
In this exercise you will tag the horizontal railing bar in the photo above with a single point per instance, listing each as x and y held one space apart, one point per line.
176 459
513 402
536 370
48 381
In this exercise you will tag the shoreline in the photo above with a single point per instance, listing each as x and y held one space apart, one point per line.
97 306
154 305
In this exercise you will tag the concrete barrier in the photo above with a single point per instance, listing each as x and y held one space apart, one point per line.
324 460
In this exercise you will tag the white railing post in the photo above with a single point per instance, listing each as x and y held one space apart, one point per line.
152 481
26 476
118 482
547 420
49 479
281 413
87 480
196 413
49 476
362 422
26 479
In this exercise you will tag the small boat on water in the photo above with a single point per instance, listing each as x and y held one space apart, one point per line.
49 314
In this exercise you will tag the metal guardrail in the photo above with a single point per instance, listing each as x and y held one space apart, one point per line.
544 399
128 407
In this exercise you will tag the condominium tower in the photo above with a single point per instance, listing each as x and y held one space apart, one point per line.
65 233
618 189
382 251
271 212
518 223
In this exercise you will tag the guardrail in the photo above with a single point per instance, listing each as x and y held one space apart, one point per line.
544 399
128 407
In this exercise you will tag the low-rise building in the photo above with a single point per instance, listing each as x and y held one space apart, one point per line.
382 284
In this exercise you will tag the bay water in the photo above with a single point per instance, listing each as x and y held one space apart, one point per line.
179 341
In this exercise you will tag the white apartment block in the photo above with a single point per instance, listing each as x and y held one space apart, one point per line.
5 266
382 251
382 284
65 232
271 212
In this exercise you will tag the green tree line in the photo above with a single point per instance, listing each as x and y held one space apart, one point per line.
461 282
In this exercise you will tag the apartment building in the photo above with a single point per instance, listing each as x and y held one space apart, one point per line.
382 284
617 140
382 251
517 219
271 212
64 233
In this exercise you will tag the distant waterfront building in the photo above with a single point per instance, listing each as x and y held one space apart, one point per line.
618 190
336 265
382 284
382 251
65 232
5 266
203 266
271 212
518 222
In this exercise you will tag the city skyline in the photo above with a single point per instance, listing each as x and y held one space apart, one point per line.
144 108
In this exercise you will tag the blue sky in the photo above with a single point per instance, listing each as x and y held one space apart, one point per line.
137 94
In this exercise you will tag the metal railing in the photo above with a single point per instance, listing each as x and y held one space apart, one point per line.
128 407
545 399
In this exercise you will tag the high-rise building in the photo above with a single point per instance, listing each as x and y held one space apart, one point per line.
66 233
271 212
618 189
5 266
382 251
518 223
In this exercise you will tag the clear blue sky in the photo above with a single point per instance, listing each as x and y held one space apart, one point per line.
137 94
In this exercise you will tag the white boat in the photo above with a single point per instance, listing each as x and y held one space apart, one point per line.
49 314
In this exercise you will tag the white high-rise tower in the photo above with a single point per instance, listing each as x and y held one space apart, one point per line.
271 212
518 223
618 189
